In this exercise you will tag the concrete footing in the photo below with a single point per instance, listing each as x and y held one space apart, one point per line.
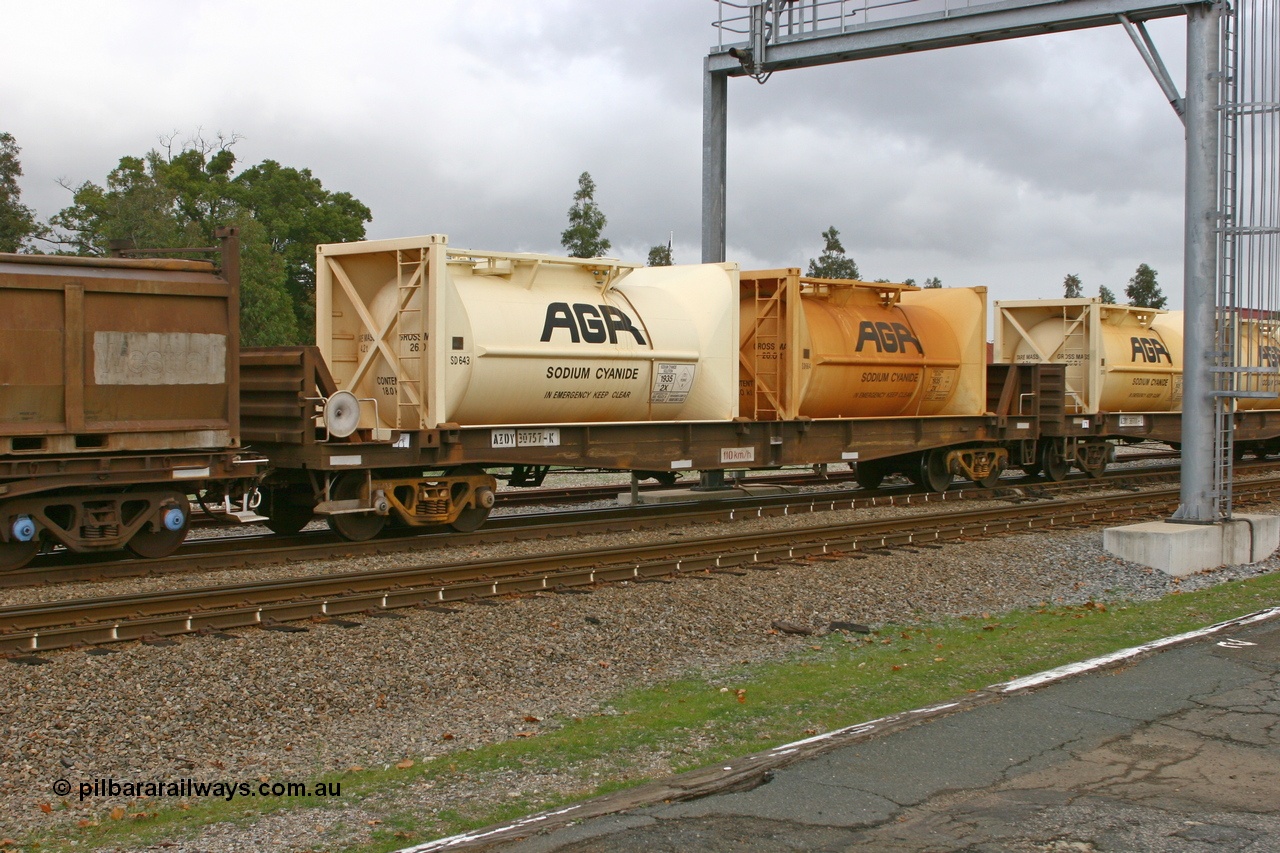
667 496
1184 549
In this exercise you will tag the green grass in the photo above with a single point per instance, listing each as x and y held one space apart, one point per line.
828 683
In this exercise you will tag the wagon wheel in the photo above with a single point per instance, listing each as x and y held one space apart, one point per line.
934 476
992 479
1052 463
472 517
354 526
288 508
870 474
175 516
14 554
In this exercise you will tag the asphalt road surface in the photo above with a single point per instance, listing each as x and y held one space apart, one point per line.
1176 751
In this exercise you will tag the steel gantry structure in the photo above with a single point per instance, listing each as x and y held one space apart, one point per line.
1230 110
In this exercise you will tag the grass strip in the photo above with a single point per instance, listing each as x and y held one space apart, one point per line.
827 683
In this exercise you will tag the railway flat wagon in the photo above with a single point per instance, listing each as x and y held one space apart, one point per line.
435 365
420 344
118 400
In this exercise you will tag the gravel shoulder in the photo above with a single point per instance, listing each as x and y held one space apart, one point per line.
294 706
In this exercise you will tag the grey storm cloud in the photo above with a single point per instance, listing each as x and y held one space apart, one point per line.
1008 165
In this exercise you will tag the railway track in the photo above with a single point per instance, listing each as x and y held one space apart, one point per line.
242 551
28 629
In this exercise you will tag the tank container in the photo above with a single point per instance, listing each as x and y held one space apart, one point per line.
1257 349
820 348
425 335
1119 358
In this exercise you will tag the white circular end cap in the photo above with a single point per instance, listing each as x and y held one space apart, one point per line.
342 414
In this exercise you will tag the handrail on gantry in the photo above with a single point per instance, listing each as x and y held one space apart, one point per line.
757 37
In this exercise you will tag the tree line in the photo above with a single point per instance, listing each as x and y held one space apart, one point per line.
1142 291
178 194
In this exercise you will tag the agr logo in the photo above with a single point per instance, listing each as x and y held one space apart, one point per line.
592 324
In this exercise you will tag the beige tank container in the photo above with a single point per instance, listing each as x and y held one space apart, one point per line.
425 334
1257 350
822 348
1119 358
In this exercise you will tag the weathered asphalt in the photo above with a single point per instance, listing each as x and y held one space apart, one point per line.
1177 751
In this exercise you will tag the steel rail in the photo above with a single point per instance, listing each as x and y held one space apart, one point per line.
32 628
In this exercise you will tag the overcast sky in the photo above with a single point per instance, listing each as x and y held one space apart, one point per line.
1007 165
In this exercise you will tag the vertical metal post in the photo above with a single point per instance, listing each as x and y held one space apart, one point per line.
715 165
1200 263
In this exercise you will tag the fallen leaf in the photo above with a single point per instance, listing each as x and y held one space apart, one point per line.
938 660
524 734
404 765
446 736
742 695
355 768
532 719
117 813
373 822
46 808
83 823
896 667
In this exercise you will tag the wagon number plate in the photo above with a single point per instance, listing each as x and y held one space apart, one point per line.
524 438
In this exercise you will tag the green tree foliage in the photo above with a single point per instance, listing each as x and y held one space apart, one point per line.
167 200
660 256
583 238
1071 288
297 212
933 282
17 221
1143 289
1105 294
832 263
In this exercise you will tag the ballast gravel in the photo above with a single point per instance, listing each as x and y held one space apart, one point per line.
298 705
